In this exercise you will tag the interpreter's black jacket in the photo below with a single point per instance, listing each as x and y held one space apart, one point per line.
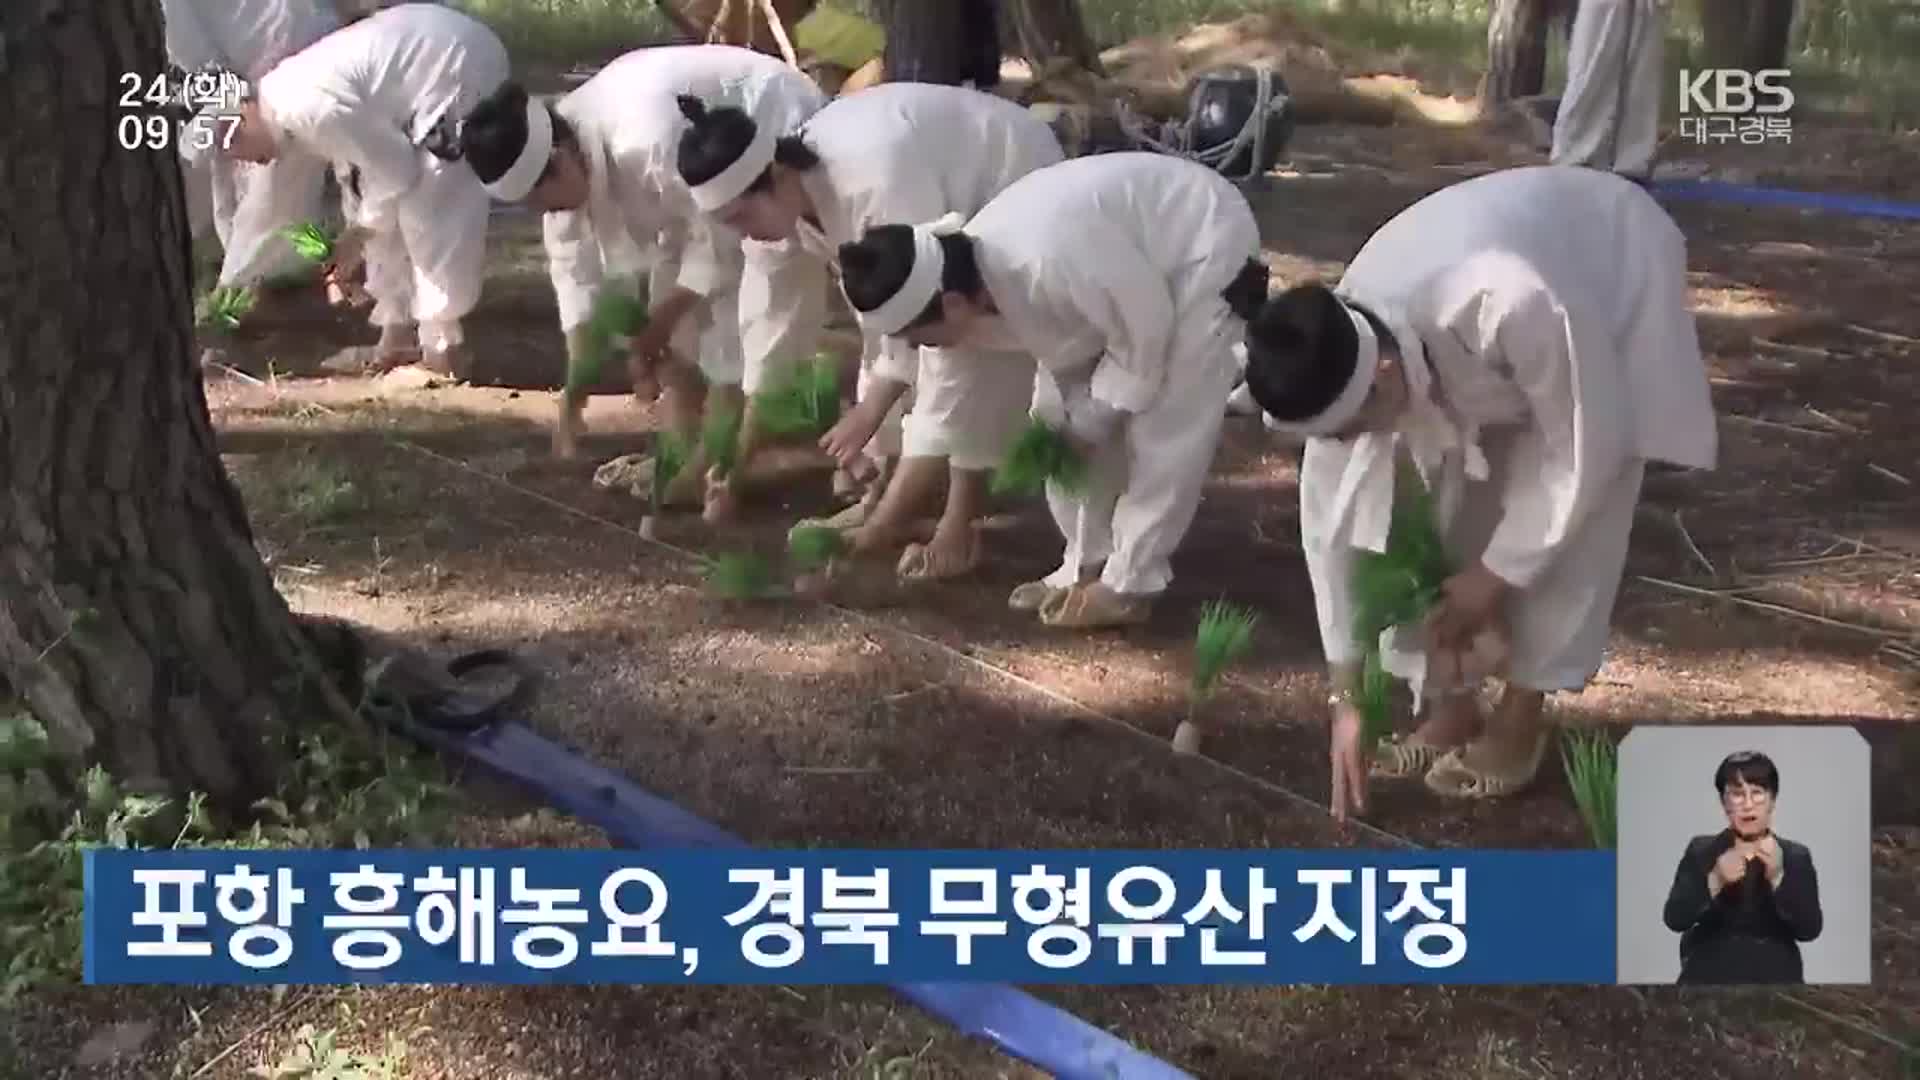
1750 932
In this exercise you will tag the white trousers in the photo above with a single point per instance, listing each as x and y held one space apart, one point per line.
1610 114
1559 623
427 262
782 309
1145 483
969 405
248 208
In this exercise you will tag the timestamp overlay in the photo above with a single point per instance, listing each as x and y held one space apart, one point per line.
160 111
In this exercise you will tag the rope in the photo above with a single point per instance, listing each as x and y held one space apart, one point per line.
1253 133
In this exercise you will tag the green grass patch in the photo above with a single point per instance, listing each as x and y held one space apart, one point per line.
571 31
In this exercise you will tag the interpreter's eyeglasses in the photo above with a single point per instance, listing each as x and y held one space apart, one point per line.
1740 795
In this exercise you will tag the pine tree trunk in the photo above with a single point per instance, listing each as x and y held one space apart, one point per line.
1053 32
136 618
942 41
1748 34
1516 50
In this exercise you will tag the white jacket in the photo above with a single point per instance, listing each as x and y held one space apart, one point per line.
629 124
367 95
1548 296
908 154
1095 262
247 37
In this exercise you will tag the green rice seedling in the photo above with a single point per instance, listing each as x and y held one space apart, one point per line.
815 547
739 575
1224 635
670 454
310 241
804 403
1592 761
1041 455
222 307
720 438
617 315
1396 587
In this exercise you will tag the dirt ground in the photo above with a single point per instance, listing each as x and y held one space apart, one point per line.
933 717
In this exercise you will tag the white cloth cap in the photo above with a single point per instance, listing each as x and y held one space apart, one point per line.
733 181
1366 362
518 181
923 279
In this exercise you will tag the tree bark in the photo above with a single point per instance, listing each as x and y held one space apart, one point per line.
1053 32
943 41
136 618
1516 50
1748 34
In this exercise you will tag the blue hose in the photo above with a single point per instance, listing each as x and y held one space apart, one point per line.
1751 195
1018 1023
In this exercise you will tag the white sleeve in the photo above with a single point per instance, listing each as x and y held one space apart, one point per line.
343 129
1579 407
710 257
189 44
1111 286
573 262
1329 563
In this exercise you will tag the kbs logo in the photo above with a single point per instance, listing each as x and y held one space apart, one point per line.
1722 104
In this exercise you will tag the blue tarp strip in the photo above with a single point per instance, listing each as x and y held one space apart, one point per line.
1715 191
1018 1023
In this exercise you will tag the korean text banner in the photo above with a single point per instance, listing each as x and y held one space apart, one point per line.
849 917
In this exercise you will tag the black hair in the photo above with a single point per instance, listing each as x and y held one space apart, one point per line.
716 137
495 132
875 266
1747 767
1301 352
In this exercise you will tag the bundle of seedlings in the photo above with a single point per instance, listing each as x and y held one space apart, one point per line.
814 551
740 575
311 241
1224 636
1041 455
1592 761
802 404
222 308
670 454
617 315
1395 588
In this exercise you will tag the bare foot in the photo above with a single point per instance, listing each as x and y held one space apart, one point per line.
566 438
723 503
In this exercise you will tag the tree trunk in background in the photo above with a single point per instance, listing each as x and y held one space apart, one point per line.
927 42
136 618
1747 34
1516 50
1053 32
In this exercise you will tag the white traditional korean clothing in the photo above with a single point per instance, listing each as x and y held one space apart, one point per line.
1609 115
1541 316
765 302
249 207
1110 270
367 98
909 154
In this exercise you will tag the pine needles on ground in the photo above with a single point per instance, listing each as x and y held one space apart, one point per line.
617 315
720 438
739 575
1395 588
222 307
1041 455
803 403
310 241
1592 761
1225 634
814 547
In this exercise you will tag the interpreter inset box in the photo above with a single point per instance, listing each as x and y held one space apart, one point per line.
1745 856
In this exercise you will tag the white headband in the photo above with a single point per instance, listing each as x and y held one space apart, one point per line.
1366 362
923 279
515 184
734 180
